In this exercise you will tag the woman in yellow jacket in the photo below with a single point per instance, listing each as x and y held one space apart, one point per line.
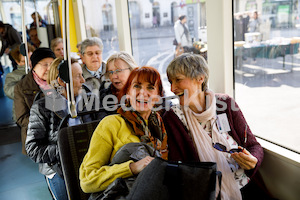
142 90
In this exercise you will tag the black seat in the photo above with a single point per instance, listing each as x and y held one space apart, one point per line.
73 143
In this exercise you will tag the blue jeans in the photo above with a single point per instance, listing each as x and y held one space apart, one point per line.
57 187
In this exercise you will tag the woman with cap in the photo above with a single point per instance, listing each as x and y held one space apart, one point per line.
29 86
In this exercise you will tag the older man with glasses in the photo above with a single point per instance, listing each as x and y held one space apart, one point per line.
93 68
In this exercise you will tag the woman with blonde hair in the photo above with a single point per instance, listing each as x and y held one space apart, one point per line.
118 67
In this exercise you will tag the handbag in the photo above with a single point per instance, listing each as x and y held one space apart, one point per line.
163 180
116 190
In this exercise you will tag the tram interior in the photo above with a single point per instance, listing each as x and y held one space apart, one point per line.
265 82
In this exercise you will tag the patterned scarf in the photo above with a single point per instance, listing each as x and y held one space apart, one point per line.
153 134
42 84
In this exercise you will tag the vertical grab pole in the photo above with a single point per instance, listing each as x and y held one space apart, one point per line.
24 36
66 33
37 19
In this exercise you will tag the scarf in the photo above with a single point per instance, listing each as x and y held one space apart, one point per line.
203 144
42 84
153 134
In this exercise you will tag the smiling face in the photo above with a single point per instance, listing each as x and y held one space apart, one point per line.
92 57
42 68
118 78
142 97
187 89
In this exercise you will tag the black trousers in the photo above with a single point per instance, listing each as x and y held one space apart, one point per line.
252 191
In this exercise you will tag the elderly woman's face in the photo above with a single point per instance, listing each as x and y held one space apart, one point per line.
42 68
142 96
59 50
118 73
92 57
186 88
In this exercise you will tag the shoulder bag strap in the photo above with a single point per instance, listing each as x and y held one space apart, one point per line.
219 174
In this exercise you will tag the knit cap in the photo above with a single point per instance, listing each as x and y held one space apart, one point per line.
39 54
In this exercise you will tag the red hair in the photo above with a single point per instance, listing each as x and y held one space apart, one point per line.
143 74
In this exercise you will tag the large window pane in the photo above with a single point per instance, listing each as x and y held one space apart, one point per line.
267 69
101 21
13 12
152 30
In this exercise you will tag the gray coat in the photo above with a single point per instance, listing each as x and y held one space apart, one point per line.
11 80
92 82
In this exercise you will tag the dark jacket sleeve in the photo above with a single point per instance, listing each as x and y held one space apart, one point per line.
15 37
4 46
180 144
237 123
38 147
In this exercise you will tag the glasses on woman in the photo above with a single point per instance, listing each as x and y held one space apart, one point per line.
223 148
117 71
46 65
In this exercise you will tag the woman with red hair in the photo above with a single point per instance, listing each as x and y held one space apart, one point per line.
135 122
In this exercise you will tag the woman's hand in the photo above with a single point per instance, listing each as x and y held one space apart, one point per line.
245 159
138 166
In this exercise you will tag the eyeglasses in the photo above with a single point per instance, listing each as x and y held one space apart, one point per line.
45 64
117 71
223 148
91 53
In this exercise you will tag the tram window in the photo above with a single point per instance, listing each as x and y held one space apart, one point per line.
152 30
100 20
13 14
267 70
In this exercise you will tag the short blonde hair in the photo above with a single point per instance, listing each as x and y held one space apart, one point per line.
190 65
122 55
53 71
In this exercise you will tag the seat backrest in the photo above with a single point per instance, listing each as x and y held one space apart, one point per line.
73 143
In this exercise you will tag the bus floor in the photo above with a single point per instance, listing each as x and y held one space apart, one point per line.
19 176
